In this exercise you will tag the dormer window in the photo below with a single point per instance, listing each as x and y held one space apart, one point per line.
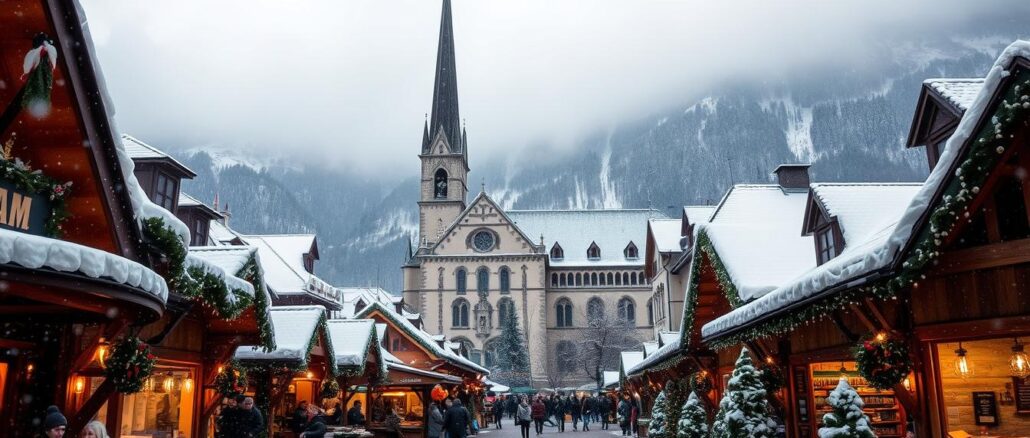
166 191
826 243
594 252
309 263
631 252
556 252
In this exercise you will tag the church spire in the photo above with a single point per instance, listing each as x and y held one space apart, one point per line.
445 90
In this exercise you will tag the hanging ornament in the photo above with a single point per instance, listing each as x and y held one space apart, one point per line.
38 74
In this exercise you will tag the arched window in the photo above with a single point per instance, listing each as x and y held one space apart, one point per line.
490 354
627 311
595 311
440 184
554 279
632 278
631 251
460 279
594 252
565 354
650 311
618 279
640 278
483 280
625 278
610 282
561 280
593 279
563 312
505 279
556 252
460 313
602 277
503 307
579 279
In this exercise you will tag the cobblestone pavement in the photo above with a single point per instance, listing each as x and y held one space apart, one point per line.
511 430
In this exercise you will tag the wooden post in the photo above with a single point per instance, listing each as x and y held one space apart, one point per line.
91 406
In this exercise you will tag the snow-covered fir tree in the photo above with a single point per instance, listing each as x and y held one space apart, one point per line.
512 355
693 419
847 419
656 428
744 410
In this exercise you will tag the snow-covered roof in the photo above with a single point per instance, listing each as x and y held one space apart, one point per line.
282 260
649 348
230 258
351 340
666 234
36 252
699 214
294 328
434 375
883 246
756 232
610 378
667 351
194 260
959 92
495 387
575 230
665 338
221 234
420 336
630 359
862 209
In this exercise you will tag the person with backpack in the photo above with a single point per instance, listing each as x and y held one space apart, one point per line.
623 415
523 416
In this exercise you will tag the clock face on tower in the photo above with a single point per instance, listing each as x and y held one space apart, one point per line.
483 241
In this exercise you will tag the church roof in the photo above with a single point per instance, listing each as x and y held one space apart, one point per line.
445 116
575 230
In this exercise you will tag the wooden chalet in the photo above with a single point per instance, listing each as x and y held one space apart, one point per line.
939 269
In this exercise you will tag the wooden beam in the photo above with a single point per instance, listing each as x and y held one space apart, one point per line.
109 331
877 314
838 321
863 317
172 324
988 256
90 408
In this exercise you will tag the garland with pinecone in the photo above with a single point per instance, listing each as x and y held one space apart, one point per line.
232 381
130 365
883 361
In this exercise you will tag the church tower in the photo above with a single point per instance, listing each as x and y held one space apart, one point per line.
444 155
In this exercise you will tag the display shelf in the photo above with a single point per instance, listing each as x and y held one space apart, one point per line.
886 417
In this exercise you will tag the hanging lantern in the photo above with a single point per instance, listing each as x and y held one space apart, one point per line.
80 385
310 375
1019 364
102 355
187 385
169 383
963 368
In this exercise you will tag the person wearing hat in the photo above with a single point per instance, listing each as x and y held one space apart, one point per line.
54 424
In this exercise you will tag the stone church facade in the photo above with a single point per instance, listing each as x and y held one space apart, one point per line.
560 269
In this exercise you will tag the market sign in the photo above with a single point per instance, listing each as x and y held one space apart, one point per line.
23 211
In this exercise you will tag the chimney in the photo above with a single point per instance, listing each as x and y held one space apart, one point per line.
792 176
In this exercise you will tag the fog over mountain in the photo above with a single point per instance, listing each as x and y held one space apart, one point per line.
850 124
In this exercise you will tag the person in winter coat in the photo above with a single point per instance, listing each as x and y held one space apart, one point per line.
605 409
230 419
314 425
560 409
393 424
354 415
300 417
589 409
457 420
498 411
435 421
524 416
539 413
94 429
634 415
576 410
623 414
513 407
54 423
252 423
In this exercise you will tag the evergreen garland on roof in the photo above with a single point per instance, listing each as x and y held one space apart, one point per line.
985 150
251 271
704 245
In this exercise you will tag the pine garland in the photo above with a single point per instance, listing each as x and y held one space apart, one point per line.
24 178
168 242
251 271
985 150
232 381
213 291
675 395
704 246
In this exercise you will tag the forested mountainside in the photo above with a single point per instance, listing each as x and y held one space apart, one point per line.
850 125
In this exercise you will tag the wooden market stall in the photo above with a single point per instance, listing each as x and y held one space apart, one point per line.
360 361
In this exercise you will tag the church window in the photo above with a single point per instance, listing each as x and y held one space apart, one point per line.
440 184
563 312
554 280
483 241
565 353
593 279
556 252
631 251
618 279
561 280
602 279
460 313
650 311
625 278
483 280
640 278
502 311
579 279
460 279
595 311
610 282
505 279
632 278
627 311
594 252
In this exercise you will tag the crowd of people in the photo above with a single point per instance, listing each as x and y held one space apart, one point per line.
552 411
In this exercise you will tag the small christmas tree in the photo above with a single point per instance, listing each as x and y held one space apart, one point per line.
743 410
656 428
693 419
675 396
847 419
512 355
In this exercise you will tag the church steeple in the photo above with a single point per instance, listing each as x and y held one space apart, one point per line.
445 115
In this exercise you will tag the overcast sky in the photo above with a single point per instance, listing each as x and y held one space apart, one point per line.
350 81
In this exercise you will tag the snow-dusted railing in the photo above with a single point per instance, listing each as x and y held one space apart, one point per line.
319 288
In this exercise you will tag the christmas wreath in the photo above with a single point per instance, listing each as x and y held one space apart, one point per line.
883 362
232 381
130 365
330 388
772 377
700 383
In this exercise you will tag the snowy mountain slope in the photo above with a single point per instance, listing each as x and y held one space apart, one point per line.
851 125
